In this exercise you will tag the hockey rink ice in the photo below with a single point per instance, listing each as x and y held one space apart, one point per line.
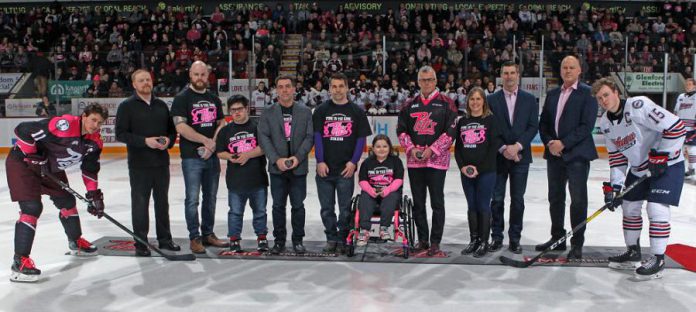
154 284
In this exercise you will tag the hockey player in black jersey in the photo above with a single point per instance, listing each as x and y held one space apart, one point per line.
52 145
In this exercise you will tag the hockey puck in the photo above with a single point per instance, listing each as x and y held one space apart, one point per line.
469 170
161 140
419 155
288 163
234 156
201 151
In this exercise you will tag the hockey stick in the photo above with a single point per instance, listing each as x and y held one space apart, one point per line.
67 188
523 264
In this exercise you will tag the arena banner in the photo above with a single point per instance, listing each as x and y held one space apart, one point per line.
8 81
64 90
21 107
126 7
529 84
653 82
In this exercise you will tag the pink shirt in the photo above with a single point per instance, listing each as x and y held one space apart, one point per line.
562 99
510 100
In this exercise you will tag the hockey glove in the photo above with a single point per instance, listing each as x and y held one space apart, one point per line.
96 199
38 161
657 162
610 195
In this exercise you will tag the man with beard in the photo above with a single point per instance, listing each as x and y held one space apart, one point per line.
198 116
144 125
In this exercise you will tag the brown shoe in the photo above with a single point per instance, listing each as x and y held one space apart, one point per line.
197 246
212 240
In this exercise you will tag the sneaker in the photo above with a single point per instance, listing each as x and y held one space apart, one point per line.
330 247
651 268
235 247
629 260
690 173
262 243
278 247
197 246
212 240
24 270
473 246
363 237
298 247
82 248
384 233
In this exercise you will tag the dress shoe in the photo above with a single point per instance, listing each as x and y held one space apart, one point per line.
197 246
142 252
495 245
473 246
422 245
212 240
575 253
434 249
544 246
169 245
330 247
515 248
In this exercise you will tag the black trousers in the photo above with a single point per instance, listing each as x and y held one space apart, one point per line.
146 181
430 180
575 175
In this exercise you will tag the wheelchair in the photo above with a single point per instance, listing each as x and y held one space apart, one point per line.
403 225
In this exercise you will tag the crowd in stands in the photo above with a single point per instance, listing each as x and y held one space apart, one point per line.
465 47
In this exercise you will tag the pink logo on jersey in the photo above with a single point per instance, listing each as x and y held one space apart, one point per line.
424 125
381 179
338 128
287 127
203 115
241 146
474 136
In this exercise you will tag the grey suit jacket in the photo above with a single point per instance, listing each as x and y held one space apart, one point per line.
273 141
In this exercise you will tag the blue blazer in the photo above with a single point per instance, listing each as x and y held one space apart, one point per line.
524 126
575 125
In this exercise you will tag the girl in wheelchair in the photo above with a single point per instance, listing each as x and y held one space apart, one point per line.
381 176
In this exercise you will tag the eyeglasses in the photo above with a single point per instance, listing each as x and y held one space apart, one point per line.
237 110
427 80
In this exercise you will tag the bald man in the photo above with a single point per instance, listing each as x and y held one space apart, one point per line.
198 116
565 125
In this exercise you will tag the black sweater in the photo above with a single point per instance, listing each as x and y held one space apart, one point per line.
135 121
477 142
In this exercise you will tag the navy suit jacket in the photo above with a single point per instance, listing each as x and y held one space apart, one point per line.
524 126
575 125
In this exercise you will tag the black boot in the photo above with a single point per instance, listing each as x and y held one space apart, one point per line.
474 234
484 221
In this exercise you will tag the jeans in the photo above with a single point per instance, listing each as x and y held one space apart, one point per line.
282 187
146 181
431 180
518 174
235 216
205 174
575 174
479 191
328 189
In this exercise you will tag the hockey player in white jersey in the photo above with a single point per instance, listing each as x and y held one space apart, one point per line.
260 98
643 138
686 110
